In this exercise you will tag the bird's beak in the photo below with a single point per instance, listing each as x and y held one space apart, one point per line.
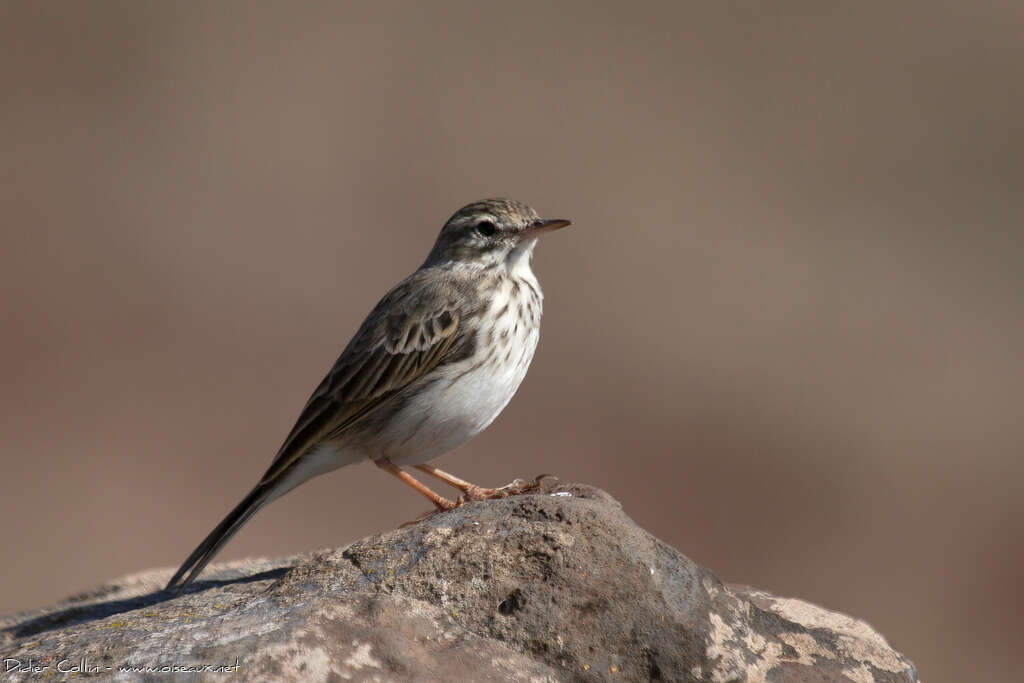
541 227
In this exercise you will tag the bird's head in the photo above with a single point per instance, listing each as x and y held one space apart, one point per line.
491 232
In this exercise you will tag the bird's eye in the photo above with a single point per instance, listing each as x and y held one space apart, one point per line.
486 228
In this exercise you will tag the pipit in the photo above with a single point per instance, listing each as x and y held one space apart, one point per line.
431 366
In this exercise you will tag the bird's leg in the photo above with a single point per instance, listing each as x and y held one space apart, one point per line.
474 492
441 502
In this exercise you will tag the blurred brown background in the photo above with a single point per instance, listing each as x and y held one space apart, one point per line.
785 330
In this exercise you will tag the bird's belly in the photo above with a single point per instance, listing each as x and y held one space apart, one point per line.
461 403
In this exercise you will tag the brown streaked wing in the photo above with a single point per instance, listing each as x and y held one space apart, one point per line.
382 359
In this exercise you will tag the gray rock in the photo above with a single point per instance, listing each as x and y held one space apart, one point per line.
551 586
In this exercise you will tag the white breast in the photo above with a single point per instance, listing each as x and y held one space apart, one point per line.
471 393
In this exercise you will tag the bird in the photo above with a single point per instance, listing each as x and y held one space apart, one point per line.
431 366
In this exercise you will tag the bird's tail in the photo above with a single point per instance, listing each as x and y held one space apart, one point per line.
236 519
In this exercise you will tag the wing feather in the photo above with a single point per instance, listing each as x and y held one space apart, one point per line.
387 354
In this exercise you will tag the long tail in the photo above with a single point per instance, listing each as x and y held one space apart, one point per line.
235 520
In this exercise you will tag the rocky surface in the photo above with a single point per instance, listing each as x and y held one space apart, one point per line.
550 586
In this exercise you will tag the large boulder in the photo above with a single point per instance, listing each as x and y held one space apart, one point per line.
554 585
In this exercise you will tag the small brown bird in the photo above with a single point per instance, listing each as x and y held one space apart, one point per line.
431 366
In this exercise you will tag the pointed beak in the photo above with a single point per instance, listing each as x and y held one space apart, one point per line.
541 227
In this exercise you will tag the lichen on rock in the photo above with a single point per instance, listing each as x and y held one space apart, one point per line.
554 585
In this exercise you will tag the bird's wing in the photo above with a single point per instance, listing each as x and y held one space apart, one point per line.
404 338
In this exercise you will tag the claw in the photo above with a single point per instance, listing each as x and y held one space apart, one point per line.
538 480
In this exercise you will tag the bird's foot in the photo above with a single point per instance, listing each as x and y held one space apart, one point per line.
474 493
441 504
514 488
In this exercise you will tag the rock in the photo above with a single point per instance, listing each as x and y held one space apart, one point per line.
550 586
